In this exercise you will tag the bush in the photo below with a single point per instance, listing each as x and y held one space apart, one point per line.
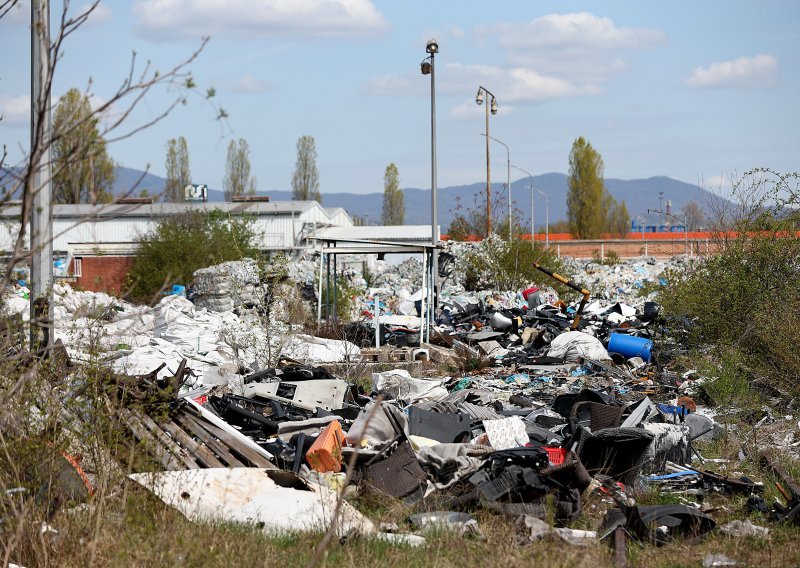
499 264
179 245
744 299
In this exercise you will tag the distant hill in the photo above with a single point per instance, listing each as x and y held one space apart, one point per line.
638 194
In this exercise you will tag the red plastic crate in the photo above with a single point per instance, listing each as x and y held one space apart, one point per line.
555 455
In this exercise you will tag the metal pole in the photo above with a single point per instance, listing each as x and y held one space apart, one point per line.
41 220
546 217
335 287
328 288
533 211
508 183
533 223
488 178
423 304
377 299
319 289
508 177
434 188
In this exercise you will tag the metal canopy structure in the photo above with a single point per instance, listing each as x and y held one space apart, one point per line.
335 241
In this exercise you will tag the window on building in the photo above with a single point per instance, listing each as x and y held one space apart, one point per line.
77 268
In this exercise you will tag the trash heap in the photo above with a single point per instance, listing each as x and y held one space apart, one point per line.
552 402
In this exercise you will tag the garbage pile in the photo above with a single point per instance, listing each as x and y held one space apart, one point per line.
554 402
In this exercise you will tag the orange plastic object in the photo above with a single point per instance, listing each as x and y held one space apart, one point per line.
326 453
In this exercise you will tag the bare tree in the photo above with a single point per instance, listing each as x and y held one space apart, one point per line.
692 215
21 178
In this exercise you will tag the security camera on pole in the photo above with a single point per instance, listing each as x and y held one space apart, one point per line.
428 68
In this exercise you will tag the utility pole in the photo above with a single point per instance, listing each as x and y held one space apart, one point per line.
41 220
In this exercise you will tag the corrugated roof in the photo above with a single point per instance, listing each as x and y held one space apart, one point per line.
113 210
399 233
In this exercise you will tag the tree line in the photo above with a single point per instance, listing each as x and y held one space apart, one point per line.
85 173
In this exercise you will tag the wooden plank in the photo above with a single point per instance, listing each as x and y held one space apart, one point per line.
192 425
231 442
179 452
154 447
201 452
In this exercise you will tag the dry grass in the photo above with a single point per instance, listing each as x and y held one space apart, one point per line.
133 528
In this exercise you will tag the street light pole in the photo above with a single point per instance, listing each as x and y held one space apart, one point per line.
546 218
533 222
490 106
508 178
432 47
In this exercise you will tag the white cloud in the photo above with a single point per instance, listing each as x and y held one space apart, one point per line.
249 84
15 111
581 47
511 85
167 20
573 31
758 71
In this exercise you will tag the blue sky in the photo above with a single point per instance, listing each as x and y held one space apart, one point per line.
698 91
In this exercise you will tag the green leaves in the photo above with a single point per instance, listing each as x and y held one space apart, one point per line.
179 245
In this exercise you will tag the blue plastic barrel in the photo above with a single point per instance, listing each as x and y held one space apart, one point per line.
630 346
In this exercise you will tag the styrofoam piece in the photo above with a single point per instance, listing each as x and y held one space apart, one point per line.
275 500
506 432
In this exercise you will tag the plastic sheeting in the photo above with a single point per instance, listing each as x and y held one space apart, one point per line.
399 384
572 345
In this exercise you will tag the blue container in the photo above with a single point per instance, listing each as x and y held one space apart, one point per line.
630 346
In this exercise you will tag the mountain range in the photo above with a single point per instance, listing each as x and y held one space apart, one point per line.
639 196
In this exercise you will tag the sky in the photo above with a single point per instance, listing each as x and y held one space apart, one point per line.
697 91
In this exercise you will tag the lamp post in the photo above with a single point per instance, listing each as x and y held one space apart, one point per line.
546 218
490 106
428 68
683 221
508 179
533 222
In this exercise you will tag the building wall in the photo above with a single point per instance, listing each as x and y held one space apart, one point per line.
101 273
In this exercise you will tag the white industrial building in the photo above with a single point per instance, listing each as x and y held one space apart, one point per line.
105 236
115 228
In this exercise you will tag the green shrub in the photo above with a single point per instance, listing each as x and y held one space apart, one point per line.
744 299
611 258
179 245
500 264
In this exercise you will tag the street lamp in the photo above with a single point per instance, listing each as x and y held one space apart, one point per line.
428 68
490 106
683 221
508 179
533 222
546 218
